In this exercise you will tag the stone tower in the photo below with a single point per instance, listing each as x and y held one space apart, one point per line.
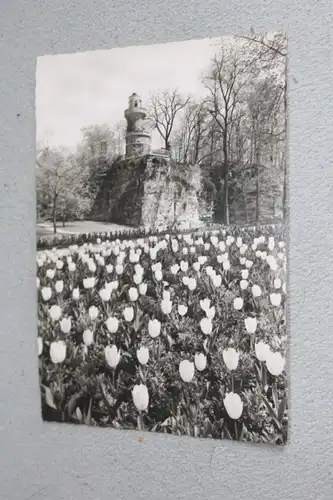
138 138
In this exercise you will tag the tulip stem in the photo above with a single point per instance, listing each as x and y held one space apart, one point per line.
140 422
236 430
232 384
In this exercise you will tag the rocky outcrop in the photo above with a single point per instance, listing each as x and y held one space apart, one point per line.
152 191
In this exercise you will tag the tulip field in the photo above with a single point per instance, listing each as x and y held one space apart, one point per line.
183 334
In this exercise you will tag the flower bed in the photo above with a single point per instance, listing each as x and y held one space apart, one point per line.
183 334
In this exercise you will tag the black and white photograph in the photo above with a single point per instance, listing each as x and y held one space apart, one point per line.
161 206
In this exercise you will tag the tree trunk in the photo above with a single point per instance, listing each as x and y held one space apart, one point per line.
226 178
284 197
54 217
257 188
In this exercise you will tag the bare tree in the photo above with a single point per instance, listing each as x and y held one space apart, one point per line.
193 135
271 51
163 110
230 72
60 185
99 148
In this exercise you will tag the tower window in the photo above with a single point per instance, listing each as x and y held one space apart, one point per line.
136 104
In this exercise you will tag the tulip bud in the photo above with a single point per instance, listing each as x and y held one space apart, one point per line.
233 405
112 324
93 313
65 325
140 397
262 350
166 306
88 337
133 294
46 292
58 351
143 355
105 294
143 289
55 312
206 326
231 358
182 310
128 313
275 363
275 299
186 370
112 356
238 303
251 324
200 361
256 291
154 328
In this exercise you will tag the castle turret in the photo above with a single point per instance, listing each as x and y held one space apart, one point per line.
138 138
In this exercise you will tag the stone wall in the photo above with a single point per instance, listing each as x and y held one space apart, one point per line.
152 192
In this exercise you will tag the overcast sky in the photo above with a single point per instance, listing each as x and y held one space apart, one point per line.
88 88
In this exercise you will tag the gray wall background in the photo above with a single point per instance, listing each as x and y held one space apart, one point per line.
57 462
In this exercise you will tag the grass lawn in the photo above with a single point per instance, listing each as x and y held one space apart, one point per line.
77 227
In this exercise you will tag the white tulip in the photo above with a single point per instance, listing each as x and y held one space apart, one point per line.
231 358
262 350
206 326
154 328
133 294
226 265
256 291
275 363
89 283
93 313
140 397
245 274
59 286
186 370
39 345
166 306
244 284
210 313
55 312
66 325
105 294
251 324
50 274
58 351
182 310
112 356
238 303
233 405
184 266
143 355
88 337
275 299
46 292
112 324
128 314
200 361
205 304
